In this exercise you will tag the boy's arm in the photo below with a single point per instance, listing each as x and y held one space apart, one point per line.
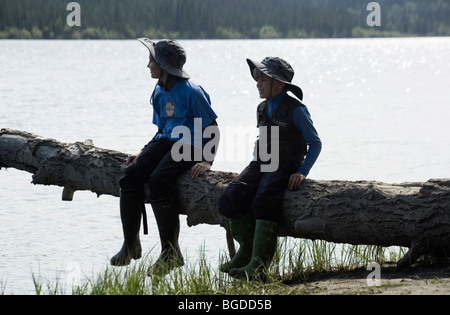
303 121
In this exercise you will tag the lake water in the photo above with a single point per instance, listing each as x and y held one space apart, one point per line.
380 107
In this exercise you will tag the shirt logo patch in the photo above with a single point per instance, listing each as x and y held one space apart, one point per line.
169 109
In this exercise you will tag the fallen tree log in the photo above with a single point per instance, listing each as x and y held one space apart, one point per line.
413 215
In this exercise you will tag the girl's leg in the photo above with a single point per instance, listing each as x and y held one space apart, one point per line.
132 199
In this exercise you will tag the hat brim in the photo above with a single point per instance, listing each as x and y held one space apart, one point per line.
296 90
162 63
169 68
149 44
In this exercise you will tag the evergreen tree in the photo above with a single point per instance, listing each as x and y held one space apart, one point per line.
222 19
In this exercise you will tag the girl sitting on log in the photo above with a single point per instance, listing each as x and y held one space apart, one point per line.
180 107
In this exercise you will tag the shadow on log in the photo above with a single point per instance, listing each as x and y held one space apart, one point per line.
413 215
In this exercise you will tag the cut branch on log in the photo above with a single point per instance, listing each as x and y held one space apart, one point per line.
413 215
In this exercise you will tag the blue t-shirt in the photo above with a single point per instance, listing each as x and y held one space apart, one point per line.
186 104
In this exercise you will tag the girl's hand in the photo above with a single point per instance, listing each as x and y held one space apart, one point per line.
200 168
131 158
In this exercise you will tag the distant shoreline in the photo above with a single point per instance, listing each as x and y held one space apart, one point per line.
243 38
216 19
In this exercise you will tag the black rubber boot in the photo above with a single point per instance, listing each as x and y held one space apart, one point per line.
168 221
242 230
131 206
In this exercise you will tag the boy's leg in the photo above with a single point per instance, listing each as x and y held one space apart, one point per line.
235 203
267 204
237 198
267 210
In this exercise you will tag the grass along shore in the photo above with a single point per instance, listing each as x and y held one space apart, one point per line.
295 261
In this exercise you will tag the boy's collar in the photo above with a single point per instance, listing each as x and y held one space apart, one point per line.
277 97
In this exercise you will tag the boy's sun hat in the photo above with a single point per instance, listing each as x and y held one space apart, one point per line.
278 69
169 55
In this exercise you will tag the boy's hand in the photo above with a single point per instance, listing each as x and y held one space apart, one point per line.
295 181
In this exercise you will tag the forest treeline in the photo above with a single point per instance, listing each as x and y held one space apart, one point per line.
220 19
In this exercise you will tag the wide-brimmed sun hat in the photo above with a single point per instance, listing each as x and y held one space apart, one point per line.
278 69
169 55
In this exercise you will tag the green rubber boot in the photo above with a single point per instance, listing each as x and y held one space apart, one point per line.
242 230
264 246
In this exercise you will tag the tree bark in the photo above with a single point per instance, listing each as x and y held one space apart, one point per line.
413 215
